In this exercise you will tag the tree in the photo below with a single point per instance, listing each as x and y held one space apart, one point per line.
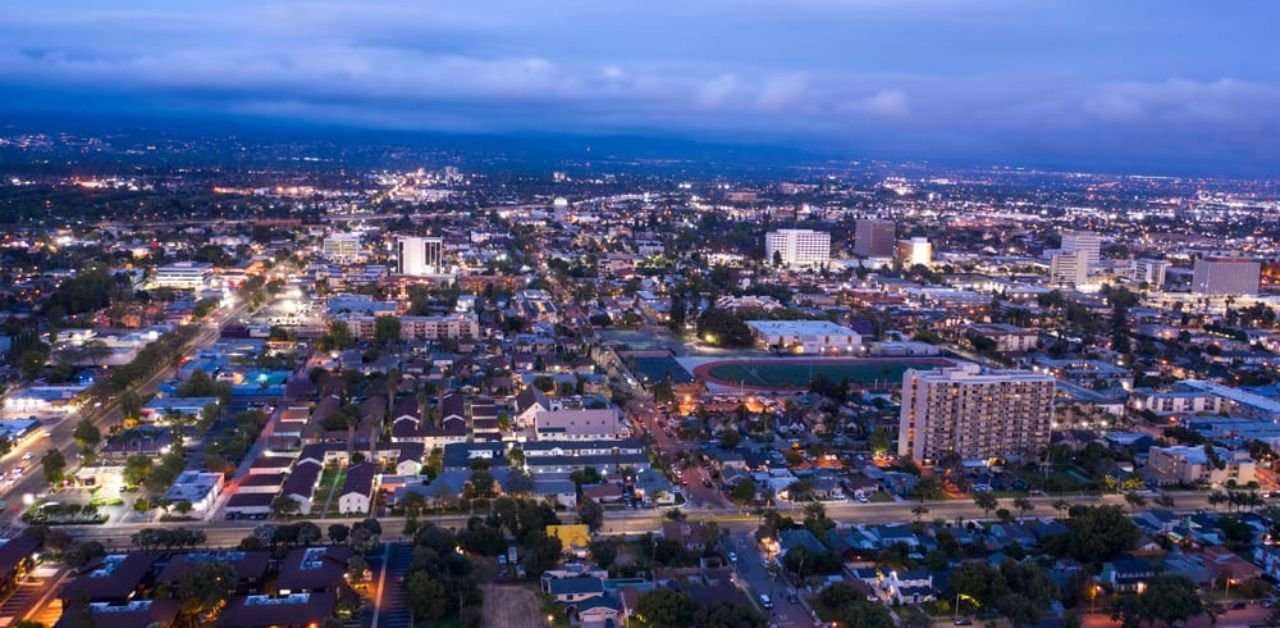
1135 500
986 501
927 488
55 467
1023 505
603 552
744 492
86 434
339 337
1098 533
1168 598
204 587
591 513
284 506
664 608
980 581
136 470
386 331
725 614
338 533
919 511
730 438
427 598
846 605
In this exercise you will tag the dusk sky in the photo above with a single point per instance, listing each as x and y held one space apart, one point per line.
1142 86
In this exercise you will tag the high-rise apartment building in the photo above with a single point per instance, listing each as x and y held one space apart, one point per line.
1225 276
1083 241
916 251
420 257
977 415
798 248
1069 269
874 238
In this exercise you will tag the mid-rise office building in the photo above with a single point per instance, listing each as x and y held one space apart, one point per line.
1150 272
1069 269
915 252
798 248
1087 242
874 238
1225 276
341 247
420 257
183 275
977 415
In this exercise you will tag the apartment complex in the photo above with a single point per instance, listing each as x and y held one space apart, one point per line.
798 248
1190 465
874 238
1225 276
978 415
458 326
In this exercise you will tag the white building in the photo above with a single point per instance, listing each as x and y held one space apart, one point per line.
1225 276
1150 272
806 336
1188 465
915 252
1069 269
183 275
601 424
341 247
798 248
420 257
199 489
1086 242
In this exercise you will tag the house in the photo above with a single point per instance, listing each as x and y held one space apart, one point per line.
792 539
573 590
603 493
1268 557
111 578
653 487
358 489
264 611
910 587
1129 575
692 535
311 569
250 567
605 611
529 404
150 613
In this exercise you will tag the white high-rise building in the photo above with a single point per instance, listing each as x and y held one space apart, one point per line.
420 257
798 248
917 251
1225 275
1150 271
1083 241
1069 269
977 415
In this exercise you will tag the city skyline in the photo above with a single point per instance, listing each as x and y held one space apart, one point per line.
1070 85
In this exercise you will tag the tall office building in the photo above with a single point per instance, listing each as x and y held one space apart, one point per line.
1225 275
916 251
1069 269
978 415
341 247
1150 272
798 248
1087 241
874 238
420 257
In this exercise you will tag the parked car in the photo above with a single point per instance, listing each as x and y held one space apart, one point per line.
766 601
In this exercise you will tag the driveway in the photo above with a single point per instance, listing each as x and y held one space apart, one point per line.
758 580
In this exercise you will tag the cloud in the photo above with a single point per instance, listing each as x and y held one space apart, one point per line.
1178 100
888 103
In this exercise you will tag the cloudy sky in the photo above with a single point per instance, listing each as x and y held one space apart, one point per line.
1139 85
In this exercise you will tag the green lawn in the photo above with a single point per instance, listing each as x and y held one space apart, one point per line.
798 373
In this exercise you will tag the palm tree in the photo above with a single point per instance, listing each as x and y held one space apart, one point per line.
919 511
1024 505
1135 500
986 501
1061 505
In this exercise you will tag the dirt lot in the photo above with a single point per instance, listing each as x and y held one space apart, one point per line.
512 606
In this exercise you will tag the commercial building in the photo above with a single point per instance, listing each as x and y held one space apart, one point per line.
798 248
806 336
1190 465
341 247
1086 242
874 238
1150 272
915 252
419 257
976 414
1069 269
183 275
1225 276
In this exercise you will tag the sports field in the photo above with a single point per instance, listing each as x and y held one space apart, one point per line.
796 372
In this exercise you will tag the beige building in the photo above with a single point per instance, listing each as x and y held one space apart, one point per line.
1189 465
978 415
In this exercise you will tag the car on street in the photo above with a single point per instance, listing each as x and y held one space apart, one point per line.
27 456
766 601
733 557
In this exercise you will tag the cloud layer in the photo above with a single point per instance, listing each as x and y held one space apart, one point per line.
1150 85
